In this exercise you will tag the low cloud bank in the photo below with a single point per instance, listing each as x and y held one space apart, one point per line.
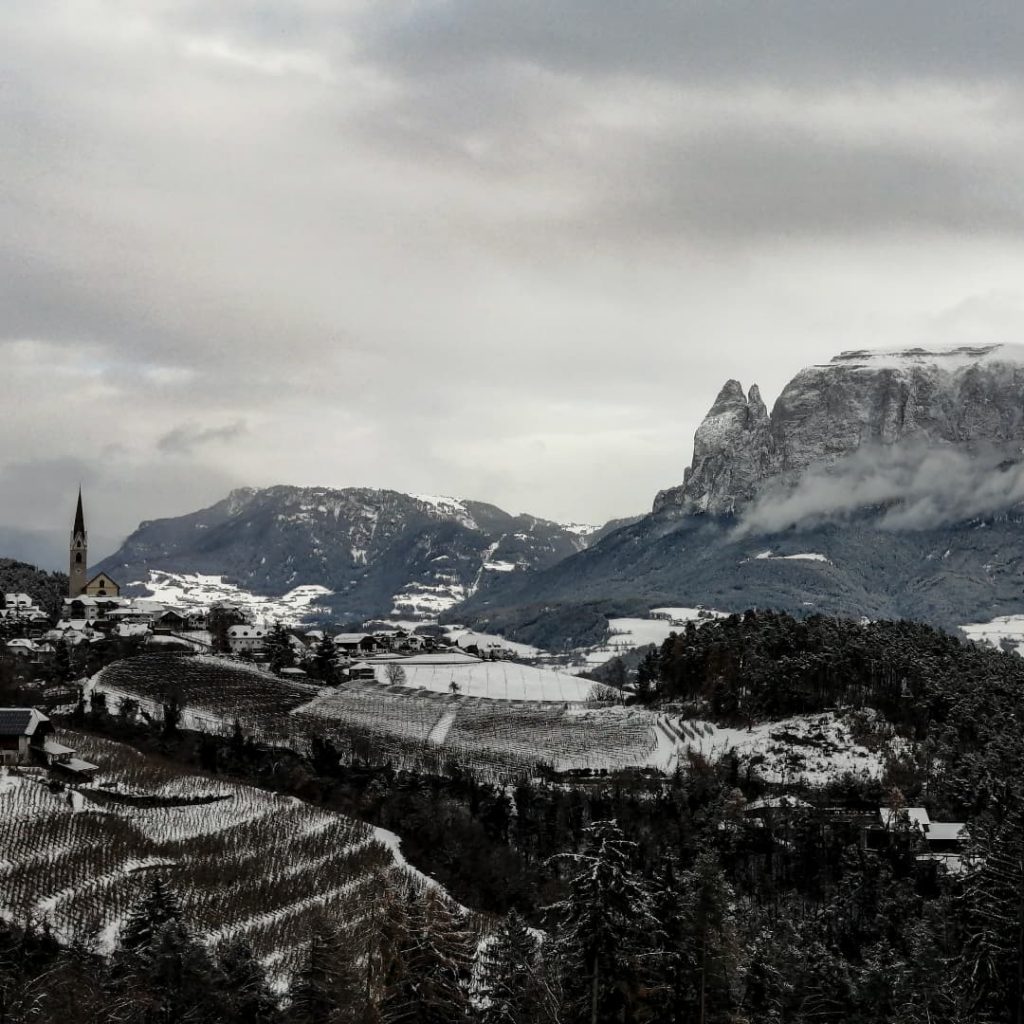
918 487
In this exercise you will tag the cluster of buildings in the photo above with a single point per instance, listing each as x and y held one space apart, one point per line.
95 611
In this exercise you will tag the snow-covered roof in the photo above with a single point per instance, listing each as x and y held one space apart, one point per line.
915 815
946 831
246 631
351 638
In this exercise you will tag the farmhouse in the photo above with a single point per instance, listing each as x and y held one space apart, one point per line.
26 738
356 643
246 638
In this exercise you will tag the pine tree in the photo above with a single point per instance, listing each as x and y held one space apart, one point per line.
325 663
436 962
513 980
278 648
157 907
325 990
990 967
182 979
247 997
606 931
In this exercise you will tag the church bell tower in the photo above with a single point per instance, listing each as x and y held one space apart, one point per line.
78 571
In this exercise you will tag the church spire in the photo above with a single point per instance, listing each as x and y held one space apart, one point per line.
78 569
79 516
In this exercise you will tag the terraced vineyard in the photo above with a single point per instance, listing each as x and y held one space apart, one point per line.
501 738
240 859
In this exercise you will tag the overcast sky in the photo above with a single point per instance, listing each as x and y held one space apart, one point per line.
506 250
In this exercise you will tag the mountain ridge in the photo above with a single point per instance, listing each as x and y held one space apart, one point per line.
381 552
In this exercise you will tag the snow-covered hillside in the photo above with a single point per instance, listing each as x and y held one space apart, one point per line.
199 592
626 634
241 861
812 749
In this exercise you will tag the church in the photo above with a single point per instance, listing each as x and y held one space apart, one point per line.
79 582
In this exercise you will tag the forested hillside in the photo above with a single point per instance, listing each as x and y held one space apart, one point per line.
710 893
45 588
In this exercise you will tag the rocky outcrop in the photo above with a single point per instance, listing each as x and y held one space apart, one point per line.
732 453
965 396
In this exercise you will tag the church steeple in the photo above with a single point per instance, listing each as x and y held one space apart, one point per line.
78 571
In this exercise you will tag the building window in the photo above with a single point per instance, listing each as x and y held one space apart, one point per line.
78 558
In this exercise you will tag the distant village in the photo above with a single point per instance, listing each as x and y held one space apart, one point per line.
94 613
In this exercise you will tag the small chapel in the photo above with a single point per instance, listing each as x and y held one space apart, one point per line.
79 582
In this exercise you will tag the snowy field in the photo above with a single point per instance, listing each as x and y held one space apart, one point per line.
811 749
629 633
494 680
241 860
1006 627
486 641
199 592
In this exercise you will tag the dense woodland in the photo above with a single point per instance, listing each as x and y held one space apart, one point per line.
659 899
47 589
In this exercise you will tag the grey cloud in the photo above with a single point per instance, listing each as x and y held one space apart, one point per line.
788 41
186 437
495 250
915 487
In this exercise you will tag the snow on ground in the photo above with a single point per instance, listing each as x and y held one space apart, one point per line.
806 748
802 556
426 601
496 680
626 634
1006 627
199 592
581 530
486 641
249 862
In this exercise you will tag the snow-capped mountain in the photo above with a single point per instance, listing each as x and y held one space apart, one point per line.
883 483
380 553
958 396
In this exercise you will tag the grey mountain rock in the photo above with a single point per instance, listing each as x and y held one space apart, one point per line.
381 552
886 484
963 397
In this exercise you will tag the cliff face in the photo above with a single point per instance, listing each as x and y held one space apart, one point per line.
955 396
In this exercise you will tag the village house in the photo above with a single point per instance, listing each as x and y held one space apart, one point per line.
357 643
246 638
27 738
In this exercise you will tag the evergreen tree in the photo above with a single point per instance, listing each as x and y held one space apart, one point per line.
990 966
182 980
278 648
436 961
247 997
157 907
325 660
695 911
325 990
61 667
606 932
513 980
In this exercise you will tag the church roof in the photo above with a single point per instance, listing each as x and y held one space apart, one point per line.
79 516
106 576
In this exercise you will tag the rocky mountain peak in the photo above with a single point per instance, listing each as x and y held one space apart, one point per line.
962 395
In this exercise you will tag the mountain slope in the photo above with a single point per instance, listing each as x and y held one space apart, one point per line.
885 484
381 552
